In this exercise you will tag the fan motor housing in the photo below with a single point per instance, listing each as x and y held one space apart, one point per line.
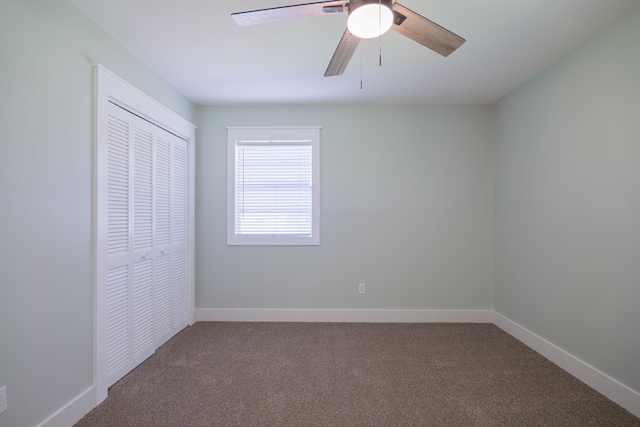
354 4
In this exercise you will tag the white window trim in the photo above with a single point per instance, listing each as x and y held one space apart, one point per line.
273 133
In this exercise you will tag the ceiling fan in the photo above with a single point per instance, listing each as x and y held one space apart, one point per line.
366 19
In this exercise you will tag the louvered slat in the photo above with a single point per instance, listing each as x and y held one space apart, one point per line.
117 318
142 188
162 184
142 308
162 298
179 190
179 285
117 185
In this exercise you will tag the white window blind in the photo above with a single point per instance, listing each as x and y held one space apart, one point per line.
274 194
273 188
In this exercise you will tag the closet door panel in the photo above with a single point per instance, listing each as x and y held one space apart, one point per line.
142 344
162 237
118 243
179 234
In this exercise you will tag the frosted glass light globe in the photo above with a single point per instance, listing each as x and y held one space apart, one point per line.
370 20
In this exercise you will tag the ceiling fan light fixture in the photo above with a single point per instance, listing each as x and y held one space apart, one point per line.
369 18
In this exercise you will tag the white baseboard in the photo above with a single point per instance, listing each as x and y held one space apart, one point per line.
602 383
609 387
346 315
73 411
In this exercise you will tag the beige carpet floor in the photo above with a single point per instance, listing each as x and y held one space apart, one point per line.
340 374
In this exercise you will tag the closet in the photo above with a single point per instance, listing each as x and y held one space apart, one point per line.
143 228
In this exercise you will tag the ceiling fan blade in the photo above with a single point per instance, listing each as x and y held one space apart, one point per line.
274 14
342 55
425 32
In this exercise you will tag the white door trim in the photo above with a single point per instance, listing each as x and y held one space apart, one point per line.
111 88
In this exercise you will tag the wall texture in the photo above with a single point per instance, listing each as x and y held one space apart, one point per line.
406 205
567 203
46 163
405 208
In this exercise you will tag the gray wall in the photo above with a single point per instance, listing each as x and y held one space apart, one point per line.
567 203
405 208
46 114
406 205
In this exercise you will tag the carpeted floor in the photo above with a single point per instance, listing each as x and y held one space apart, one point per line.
344 374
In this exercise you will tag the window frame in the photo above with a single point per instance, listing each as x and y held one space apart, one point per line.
284 134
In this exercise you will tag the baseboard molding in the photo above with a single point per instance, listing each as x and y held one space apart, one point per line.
73 411
346 315
599 381
609 387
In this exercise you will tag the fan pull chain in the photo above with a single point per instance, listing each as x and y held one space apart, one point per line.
360 69
380 30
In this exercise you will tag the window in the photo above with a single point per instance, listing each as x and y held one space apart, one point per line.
273 186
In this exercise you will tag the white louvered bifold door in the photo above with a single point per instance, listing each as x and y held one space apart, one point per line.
146 279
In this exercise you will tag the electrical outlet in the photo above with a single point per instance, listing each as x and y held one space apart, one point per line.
3 399
361 288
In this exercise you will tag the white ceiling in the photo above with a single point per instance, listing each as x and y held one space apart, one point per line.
197 47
